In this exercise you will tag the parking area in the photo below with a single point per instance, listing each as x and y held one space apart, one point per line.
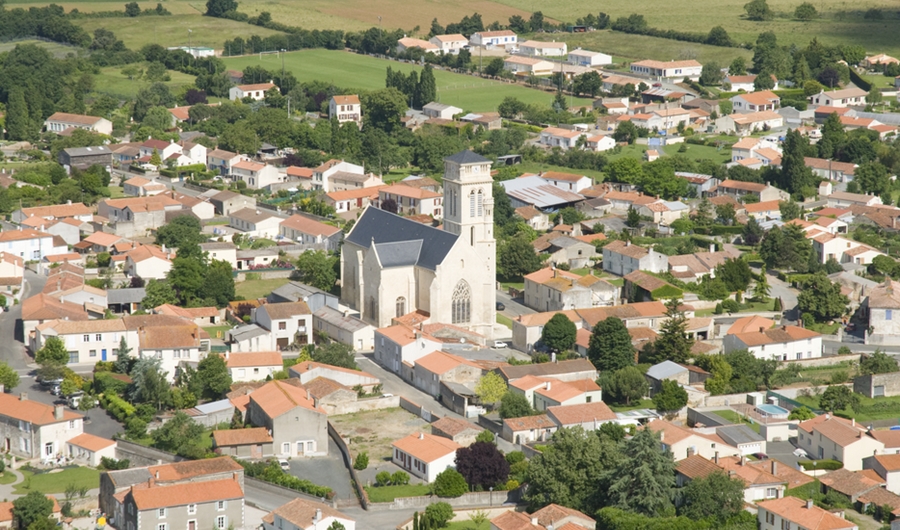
783 452
325 471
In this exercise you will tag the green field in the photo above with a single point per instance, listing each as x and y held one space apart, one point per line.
111 81
359 72
389 493
253 289
55 48
57 482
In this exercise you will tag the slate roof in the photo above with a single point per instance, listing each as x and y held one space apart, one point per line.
664 370
380 227
467 157
399 253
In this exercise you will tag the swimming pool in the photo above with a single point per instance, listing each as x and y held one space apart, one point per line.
772 410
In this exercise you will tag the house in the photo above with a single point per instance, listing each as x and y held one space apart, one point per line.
156 506
203 209
589 416
345 108
32 430
255 223
557 290
141 187
437 367
308 371
226 202
223 251
202 316
449 43
524 66
566 249
408 43
764 211
424 455
759 481
31 245
844 199
882 304
351 180
567 181
671 70
746 123
683 442
148 262
255 175
536 48
307 231
588 58
570 370
69 210
321 179
85 157
532 190
63 121
503 38
693 267
461 432
400 345
252 443
68 230
253 366
42 308
89 449
764 100
743 437
344 328
888 468
298 292
255 92
791 512
288 323
412 201
782 343
599 143
136 215
298 426
351 200
12 276
440 110
762 192
840 99
878 59
744 83
160 147
221 161
829 436
302 514
535 218
528 429
831 169
622 258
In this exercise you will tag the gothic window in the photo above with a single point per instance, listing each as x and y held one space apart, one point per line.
462 303
472 236
480 203
472 204
401 306
373 308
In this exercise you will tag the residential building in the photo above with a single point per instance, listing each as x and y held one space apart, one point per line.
33 430
88 449
588 58
398 345
85 157
460 431
59 122
224 251
783 343
345 108
844 199
255 92
253 443
307 231
321 179
31 245
408 43
202 316
536 48
524 66
763 192
288 323
148 262
683 442
141 187
184 505
535 218
599 143
563 138
437 367
791 512
344 328
87 342
412 201
622 258
882 304
256 223
671 70
257 176
6 514
570 370
450 43
764 100
743 124
441 110
828 436
301 514
12 277
253 366
226 202
539 428
42 308
424 455
352 180
888 468
839 99
831 169
565 249
557 290
589 415
503 38
760 481
308 371
299 427
222 161
567 181
69 210
351 200
136 215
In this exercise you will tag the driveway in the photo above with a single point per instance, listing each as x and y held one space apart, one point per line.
326 471
783 452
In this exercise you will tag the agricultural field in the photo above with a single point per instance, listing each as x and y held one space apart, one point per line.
55 48
354 71
111 81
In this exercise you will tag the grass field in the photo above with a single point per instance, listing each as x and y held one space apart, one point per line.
253 289
389 493
7 477
354 71
55 48
57 482
111 81
870 409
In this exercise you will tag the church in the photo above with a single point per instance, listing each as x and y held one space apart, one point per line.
391 266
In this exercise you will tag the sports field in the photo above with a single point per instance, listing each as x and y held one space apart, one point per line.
353 71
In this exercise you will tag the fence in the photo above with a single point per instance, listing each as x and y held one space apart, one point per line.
788 403
418 410
478 499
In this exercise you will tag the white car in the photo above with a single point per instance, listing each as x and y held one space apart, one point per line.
284 464
800 453
499 344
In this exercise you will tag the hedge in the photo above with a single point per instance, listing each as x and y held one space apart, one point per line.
272 473
117 406
828 465
667 291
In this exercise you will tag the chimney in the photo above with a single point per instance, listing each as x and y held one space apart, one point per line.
58 412
809 504
716 457
853 422
547 385
775 467
2 388
712 247
421 436
69 203
318 516
662 435
23 396
743 458
534 521
157 474
827 416
308 395
690 451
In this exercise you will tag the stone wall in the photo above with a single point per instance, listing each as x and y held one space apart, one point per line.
823 361
865 384
364 404
140 456
475 499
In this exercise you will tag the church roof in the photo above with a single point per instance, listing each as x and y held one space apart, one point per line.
399 253
467 157
379 227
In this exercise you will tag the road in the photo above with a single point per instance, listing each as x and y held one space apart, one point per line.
512 308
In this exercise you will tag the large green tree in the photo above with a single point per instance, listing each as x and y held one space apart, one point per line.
515 405
786 248
673 343
822 298
670 398
53 352
19 124
213 377
180 435
335 354
644 479
559 333
9 378
878 363
218 283
610 345
159 292
624 385
795 176
516 258
837 398
316 268
217 8
384 108
716 497
32 508
149 384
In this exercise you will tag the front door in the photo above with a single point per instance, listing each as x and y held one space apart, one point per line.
103 354
192 525
282 343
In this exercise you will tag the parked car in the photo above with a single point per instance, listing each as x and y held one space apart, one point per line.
284 464
499 344
55 390
51 382
800 453
500 306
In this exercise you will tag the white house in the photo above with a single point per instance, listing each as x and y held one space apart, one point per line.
567 181
424 455
441 111
674 70
755 101
30 244
588 58
256 91
311 232
830 437
255 175
161 147
142 187
301 514
30 429
599 143
321 178
61 121
563 138
255 223
520 65
785 343
345 108
253 366
848 97
287 322
89 449
408 43
536 48
684 442
504 38
398 345
622 258
449 43
412 201
791 512
222 161
148 262
744 124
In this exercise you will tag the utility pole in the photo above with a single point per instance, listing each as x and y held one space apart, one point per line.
190 41
282 65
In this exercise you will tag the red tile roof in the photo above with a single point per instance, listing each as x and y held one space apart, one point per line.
158 496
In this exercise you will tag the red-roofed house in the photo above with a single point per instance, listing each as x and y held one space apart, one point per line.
424 455
436 367
311 232
783 343
588 416
399 345
562 138
345 108
257 176
755 101
791 512
828 436
31 429
298 425
90 449
256 91
157 506
684 442
253 366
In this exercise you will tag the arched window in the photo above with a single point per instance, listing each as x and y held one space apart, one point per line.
472 204
480 203
472 236
401 306
373 309
462 303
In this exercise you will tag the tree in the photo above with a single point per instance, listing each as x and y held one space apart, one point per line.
159 292
9 378
610 348
589 84
516 258
642 482
485 436
735 273
806 11
711 74
626 132
361 462
624 385
715 497
180 435
837 398
633 220
822 298
181 231
786 248
761 289
874 96
217 8
316 268
132 9
758 10
240 138
335 354
738 66
149 384
720 371
717 36
872 177
336 525
482 465
450 483
673 344
511 107
752 233
213 377
559 333
670 398
31 508
536 23
877 363
218 283
438 514
570 471
494 67
490 388
186 276
514 405
19 123
426 89
384 108
801 414
53 353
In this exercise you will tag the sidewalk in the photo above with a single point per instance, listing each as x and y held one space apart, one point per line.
6 490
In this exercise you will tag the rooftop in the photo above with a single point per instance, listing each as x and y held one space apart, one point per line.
426 447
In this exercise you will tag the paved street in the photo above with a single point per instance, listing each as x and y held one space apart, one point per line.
513 307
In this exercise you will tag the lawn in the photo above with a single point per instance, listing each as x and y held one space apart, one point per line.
57 482
537 167
732 416
870 409
253 289
700 152
55 48
504 320
7 478
353 71
215 330
642 404
466 524
111 81
389 493
116 192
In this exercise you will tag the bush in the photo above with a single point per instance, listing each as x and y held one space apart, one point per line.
438 514
512 484
450 483
118 407
135 428
400 478
362 461
731 306
844 350
828 465
112 464
383 478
